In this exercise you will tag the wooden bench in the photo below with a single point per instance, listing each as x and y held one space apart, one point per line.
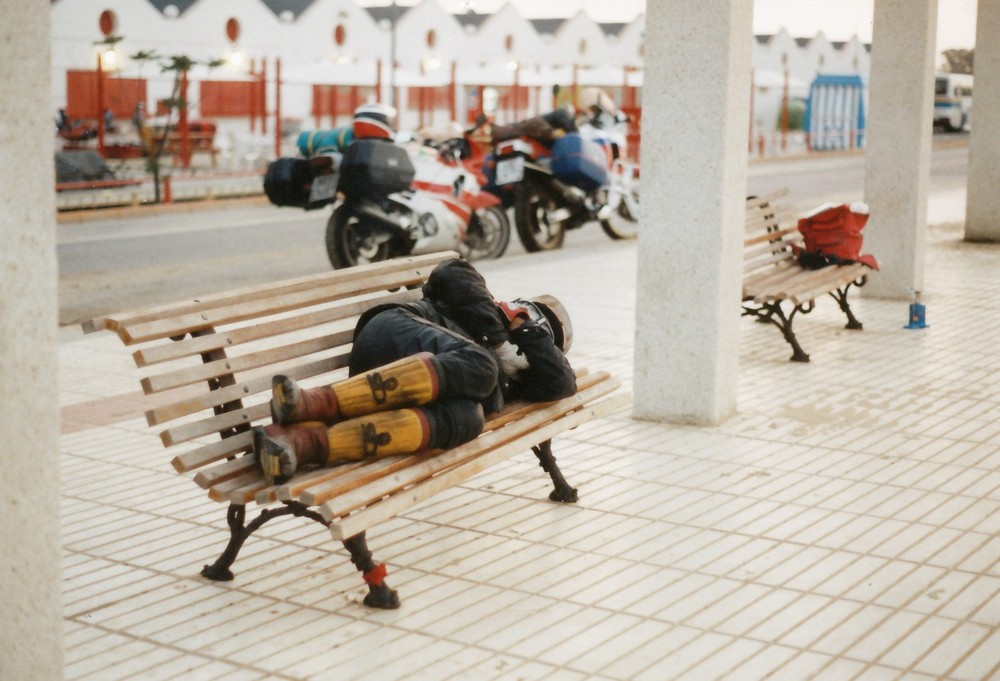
208 363
772 276
174 143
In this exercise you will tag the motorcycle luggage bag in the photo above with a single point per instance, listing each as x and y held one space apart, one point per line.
315 142
288 181
579 162
375 168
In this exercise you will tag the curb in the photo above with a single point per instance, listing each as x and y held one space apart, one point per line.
91 214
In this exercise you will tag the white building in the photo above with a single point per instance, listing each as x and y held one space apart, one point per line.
335 54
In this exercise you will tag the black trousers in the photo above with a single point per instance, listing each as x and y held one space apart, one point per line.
467 373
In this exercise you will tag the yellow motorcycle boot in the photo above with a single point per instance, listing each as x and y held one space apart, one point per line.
407 382
281 451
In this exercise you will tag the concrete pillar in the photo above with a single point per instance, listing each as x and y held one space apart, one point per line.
31 617
899 143
982 208
696 102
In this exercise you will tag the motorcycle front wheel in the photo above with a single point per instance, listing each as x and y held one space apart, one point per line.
533 219
624 222
488 235
350 243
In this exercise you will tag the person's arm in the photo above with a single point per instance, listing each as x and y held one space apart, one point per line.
549 375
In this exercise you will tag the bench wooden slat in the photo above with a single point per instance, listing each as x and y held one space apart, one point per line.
344 527
846 274
767 199
117 320
294 487
771 248
364 475
793 279
345 503
777 238
224 340
761 279
238 312
245 486
225 471
766 261
229 419
278 302
822 280
214 398
252 360
768 222
211 453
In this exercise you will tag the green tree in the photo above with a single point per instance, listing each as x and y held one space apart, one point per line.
958 61
179 65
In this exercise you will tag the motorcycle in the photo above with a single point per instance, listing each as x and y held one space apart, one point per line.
580 177
385 204
447 162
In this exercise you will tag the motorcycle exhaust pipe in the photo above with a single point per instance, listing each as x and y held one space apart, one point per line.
571 197
378 219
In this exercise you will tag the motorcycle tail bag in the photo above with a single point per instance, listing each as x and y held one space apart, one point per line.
287 182
579 162
375 168
314 142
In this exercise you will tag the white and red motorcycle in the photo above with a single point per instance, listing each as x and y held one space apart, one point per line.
386 204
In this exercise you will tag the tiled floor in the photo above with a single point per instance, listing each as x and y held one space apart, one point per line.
843 525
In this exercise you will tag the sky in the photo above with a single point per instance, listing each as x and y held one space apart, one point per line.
838 19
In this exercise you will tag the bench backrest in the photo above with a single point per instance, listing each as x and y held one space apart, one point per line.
770 233
208 362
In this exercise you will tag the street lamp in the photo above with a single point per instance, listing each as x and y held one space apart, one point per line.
393 17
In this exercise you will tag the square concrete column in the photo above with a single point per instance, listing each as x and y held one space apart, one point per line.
696 103
30 586
901 94
982 207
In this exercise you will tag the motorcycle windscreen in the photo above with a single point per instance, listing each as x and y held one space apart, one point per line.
579 162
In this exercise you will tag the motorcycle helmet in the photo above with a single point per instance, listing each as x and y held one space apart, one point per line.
596 100
374 121
551 315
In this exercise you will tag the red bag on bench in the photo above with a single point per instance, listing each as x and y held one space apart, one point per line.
832 235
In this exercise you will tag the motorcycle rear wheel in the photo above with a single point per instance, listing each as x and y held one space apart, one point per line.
488 235
347 244
531 217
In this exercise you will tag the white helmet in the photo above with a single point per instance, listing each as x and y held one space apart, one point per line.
374 120
551 315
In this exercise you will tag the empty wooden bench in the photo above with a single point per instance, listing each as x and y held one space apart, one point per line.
773 278
209 361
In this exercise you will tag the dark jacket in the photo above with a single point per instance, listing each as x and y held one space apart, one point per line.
456 298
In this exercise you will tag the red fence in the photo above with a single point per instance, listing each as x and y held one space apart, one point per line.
120 94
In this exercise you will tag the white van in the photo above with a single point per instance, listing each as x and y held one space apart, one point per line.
953 101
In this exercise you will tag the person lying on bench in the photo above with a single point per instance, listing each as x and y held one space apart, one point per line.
422 376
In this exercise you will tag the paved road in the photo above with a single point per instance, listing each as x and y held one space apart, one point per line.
124 262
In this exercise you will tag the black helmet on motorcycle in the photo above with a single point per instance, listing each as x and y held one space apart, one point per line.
551 315
374 121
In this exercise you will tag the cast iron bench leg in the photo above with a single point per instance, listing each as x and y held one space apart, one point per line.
238 533
840 295
562 492
773 314
379 593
